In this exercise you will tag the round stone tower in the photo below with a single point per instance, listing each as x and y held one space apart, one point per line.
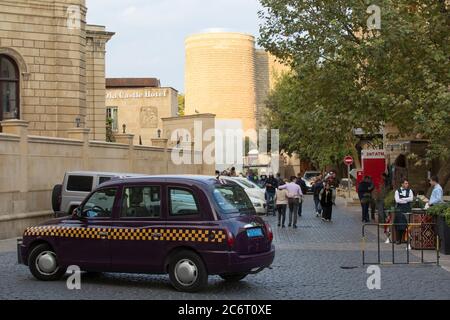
220 76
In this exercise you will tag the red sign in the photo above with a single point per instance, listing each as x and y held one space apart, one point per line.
348 160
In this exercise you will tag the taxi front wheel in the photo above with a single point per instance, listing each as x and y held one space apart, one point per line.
187 272
43 264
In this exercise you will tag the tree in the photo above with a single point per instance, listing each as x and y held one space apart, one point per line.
181 104
347 75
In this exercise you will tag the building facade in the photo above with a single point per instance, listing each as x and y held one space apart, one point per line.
140 105
52 67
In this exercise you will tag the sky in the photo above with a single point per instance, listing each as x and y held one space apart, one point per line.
150 34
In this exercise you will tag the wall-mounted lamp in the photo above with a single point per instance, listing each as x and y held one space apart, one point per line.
124 127
159 133
78 122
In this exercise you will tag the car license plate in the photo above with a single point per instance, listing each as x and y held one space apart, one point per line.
255 233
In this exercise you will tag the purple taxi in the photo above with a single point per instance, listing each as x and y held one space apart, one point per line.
187 226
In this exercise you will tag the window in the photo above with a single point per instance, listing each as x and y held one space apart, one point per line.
182 202
103 180
112 115
9 89
141 202
100 204
80 183
232 199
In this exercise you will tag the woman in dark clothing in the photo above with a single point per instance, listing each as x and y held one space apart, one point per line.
327 199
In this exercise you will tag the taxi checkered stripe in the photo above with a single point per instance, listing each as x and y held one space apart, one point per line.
131 234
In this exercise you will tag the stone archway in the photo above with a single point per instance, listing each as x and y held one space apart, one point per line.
17 57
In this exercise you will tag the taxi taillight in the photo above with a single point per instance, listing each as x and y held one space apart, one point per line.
269 231
230 239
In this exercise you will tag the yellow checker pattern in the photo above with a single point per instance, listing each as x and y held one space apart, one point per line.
130 234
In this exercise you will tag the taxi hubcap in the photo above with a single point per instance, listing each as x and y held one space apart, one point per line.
46 263
186 272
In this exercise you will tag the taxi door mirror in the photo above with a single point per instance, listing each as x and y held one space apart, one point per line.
76 214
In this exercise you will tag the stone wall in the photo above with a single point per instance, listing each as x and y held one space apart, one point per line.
31 165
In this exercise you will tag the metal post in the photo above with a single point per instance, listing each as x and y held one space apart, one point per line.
349 182
407 244
379 249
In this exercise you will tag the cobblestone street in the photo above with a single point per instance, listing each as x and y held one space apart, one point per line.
317 261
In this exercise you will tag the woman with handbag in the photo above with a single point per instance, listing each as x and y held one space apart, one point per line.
327 200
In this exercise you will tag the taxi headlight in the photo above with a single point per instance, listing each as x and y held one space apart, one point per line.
257 204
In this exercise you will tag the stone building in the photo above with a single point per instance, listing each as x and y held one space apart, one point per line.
227 76
52 67
140 105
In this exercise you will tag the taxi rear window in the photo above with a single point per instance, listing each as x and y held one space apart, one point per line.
232 199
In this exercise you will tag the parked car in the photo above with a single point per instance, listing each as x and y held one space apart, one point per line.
309 177
76 187
256 193
187 226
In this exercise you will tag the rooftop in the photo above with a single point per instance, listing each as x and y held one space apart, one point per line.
133 83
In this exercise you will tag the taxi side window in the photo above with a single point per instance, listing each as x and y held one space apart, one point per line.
182 202
100 204
141 202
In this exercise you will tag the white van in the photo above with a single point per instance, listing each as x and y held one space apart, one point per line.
76 186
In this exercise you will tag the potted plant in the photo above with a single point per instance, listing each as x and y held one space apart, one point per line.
442 214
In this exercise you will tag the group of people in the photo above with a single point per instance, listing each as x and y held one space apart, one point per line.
404 197
287 197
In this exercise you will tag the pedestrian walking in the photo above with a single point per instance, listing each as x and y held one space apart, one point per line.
404 196
316 188
282 203
327 200
302 185
365 197
294 196
271 185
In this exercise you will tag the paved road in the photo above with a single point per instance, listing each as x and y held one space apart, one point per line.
316 261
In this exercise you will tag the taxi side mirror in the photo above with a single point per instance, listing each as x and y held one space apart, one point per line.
76 213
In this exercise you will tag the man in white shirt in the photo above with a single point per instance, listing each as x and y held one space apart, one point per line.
294 197
404 196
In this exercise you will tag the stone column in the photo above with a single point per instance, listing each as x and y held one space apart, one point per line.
81 134
20 128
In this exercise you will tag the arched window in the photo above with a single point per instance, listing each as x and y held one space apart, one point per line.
9 88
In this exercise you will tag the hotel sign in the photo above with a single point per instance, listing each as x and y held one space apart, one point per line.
136 94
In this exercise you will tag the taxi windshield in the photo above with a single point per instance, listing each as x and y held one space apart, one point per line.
232 199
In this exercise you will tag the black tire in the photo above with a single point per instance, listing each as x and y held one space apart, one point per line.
56 198
190 260
39 274
233 277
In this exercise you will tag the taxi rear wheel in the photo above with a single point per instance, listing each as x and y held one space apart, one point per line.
187 272
43 264
233 277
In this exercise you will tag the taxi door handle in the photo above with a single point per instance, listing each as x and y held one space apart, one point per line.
157 235
103 234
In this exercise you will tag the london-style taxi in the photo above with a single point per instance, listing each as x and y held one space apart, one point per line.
187 226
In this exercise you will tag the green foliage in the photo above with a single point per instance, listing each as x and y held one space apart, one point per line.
109 132
440 210
181 104
389 200
345 76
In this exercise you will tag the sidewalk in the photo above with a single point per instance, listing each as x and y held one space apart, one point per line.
8 245
429 255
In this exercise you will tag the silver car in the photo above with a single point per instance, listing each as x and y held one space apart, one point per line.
76 186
